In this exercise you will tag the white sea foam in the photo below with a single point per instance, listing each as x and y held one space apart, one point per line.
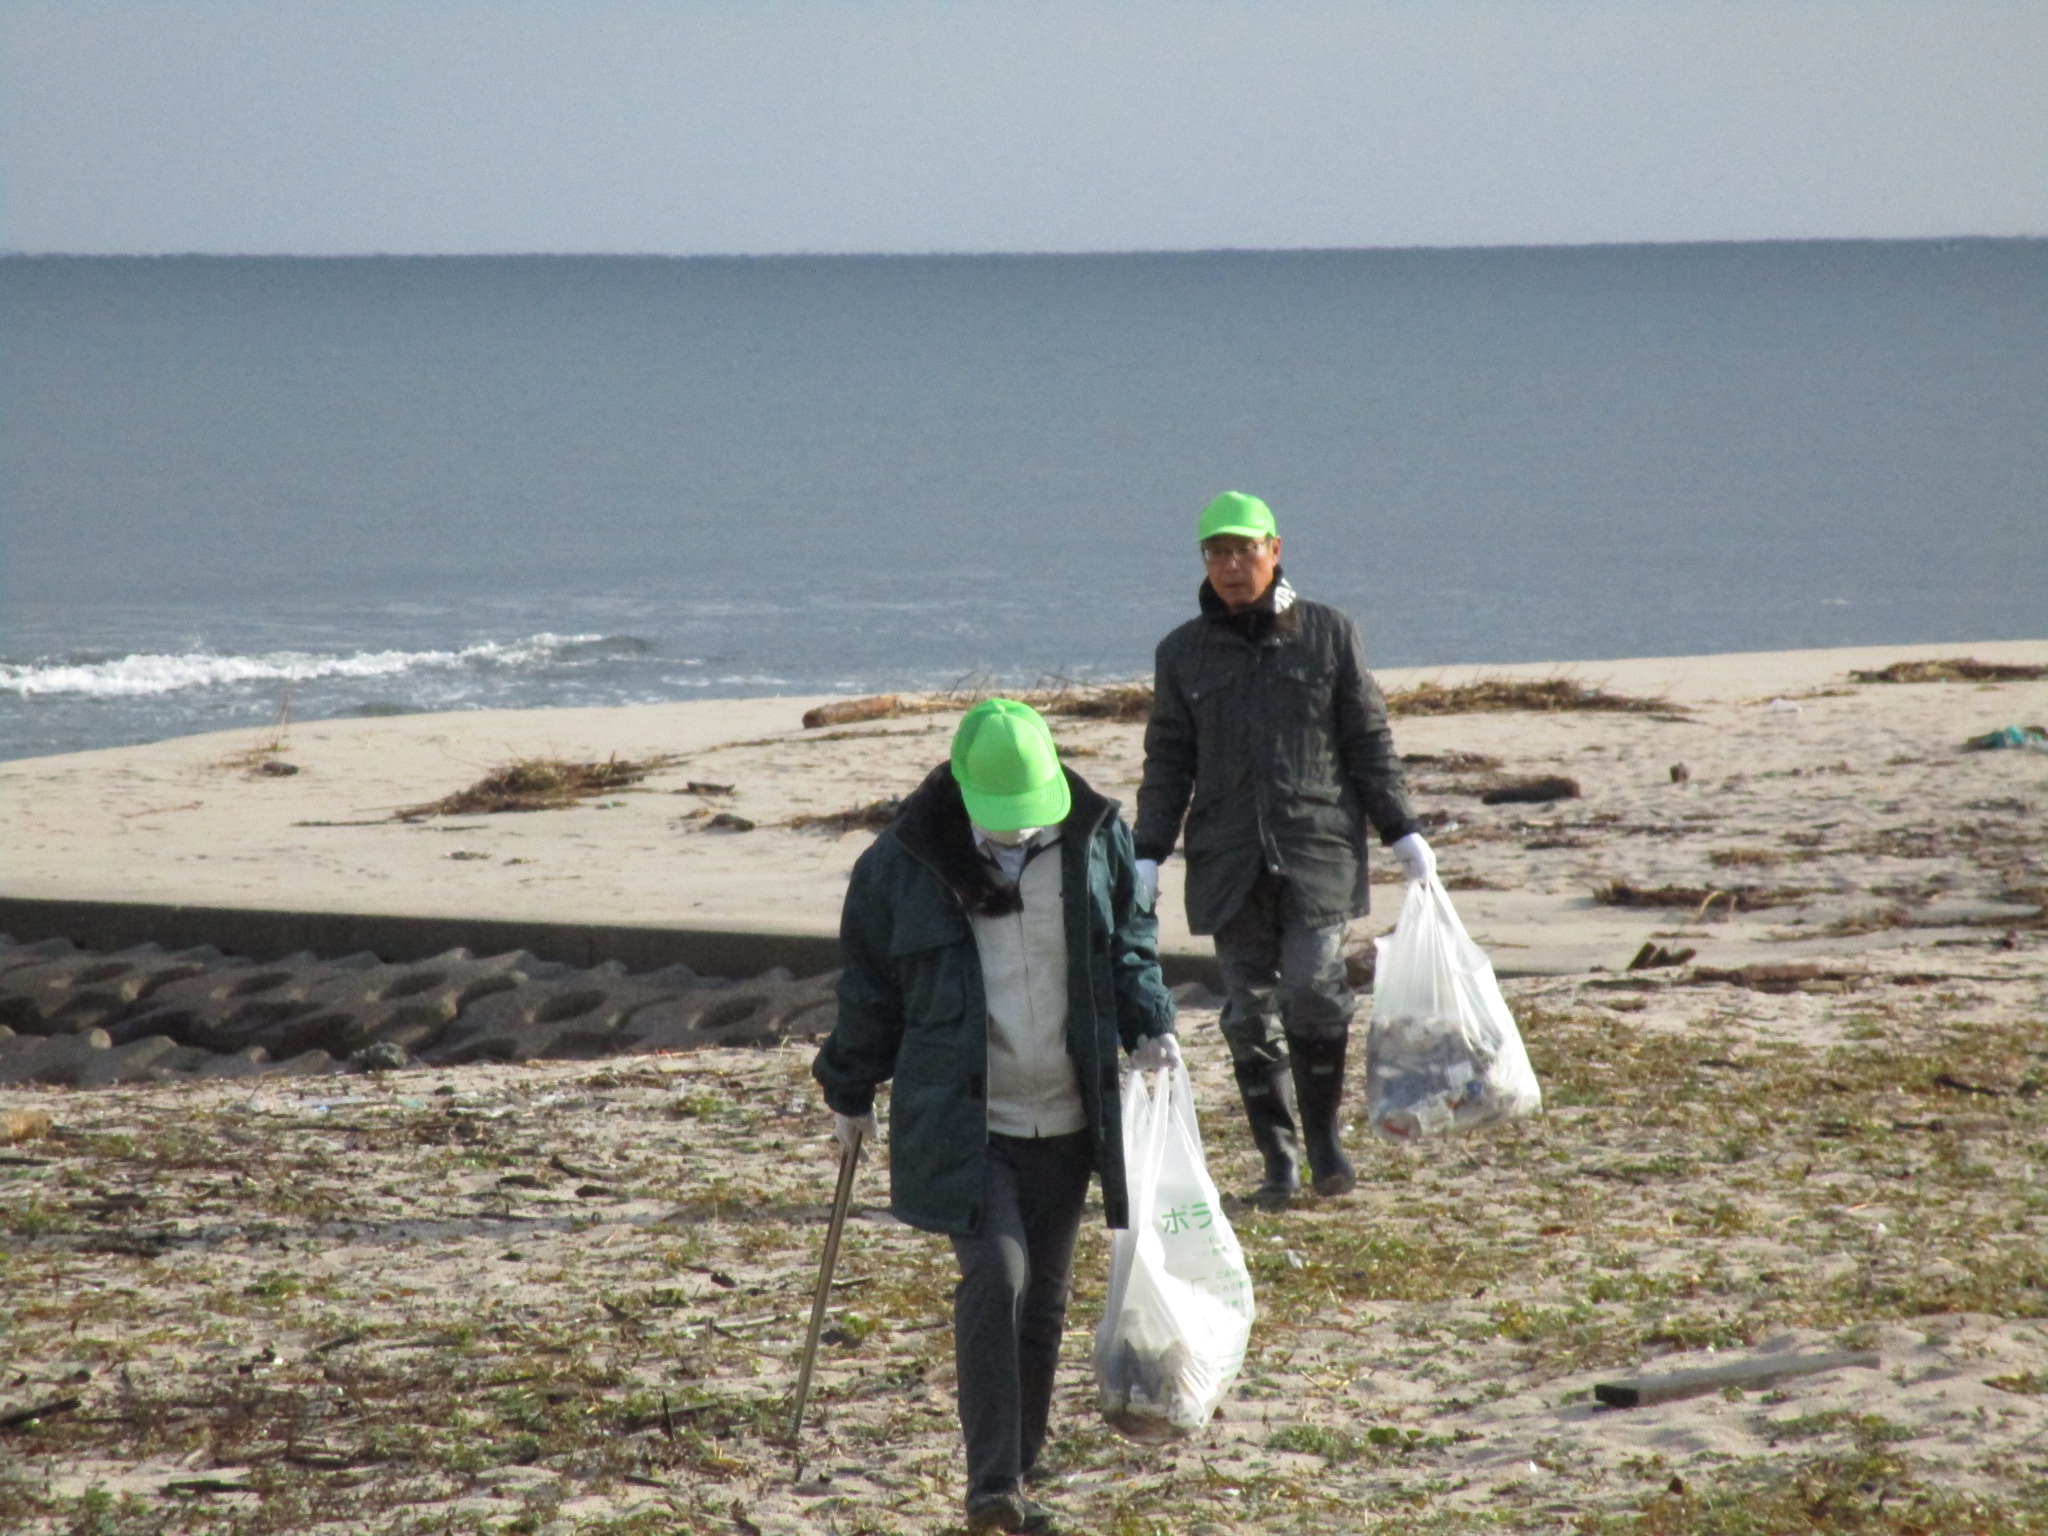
143 675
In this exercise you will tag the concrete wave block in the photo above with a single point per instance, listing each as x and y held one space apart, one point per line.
234 1004
82 990
54 1060
407 1005
573 1015
14 956
124 1063
252 1062
744 1013
404 1004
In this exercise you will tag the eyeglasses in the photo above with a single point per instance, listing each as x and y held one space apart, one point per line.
1234 554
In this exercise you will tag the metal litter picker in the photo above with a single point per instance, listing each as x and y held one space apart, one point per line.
849 1160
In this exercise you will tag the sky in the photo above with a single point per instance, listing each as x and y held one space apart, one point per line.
775 126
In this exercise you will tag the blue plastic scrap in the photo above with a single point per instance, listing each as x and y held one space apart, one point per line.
2026 737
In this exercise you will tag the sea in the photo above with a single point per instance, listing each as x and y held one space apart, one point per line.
373 486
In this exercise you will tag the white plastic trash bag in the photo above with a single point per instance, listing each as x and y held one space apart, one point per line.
1179 1309
1444 1054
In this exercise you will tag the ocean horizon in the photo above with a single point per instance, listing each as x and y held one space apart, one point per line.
388 484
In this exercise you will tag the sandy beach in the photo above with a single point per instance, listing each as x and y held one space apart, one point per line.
565 1296
1860 767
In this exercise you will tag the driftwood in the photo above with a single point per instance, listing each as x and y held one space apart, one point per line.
1762 1371
881 706
22 1416
1532 791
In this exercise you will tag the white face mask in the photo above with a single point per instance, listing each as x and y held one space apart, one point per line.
1009 839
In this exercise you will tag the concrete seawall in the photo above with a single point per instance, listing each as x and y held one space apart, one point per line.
269 934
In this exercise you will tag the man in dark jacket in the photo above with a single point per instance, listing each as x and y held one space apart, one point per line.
998 950
1270 737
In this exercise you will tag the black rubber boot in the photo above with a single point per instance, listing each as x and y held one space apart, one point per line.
1319 1089
1268 1094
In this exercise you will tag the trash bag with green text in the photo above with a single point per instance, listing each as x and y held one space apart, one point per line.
1444 1054
1179 1309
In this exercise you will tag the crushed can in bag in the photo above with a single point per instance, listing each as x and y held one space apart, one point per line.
1443 1054
1179 1310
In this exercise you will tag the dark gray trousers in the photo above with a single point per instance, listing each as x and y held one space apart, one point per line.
1273 962
1010 1307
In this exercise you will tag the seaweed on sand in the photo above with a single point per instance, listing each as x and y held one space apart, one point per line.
1953 669
872 817
539 784
1109 701
1737 898
1545 695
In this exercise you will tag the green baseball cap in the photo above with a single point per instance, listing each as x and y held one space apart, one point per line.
1245 517
1007 768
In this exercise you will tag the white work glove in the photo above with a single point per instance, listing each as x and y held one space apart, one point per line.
1148 880
843 1127
1416 858
1154 1052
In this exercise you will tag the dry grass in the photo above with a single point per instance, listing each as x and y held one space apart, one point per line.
540 784
1953 669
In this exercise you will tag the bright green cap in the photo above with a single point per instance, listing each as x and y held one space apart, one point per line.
1008 771
1235 513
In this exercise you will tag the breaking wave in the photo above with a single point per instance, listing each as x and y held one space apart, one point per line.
147 675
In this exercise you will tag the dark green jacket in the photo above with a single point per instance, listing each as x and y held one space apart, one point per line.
1270 736
911 1005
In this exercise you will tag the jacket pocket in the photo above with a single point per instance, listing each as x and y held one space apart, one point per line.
927 950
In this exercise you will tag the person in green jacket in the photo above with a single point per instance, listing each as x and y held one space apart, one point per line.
1269 740
999 950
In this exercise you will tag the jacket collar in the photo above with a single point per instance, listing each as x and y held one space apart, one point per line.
933 827
1272 614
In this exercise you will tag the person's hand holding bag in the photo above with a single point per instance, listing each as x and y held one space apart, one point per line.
1156 1051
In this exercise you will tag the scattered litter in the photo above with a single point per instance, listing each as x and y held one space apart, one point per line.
2031 738
1680 774
1782 707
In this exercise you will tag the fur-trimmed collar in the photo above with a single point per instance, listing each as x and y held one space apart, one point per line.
1272 613
933 826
